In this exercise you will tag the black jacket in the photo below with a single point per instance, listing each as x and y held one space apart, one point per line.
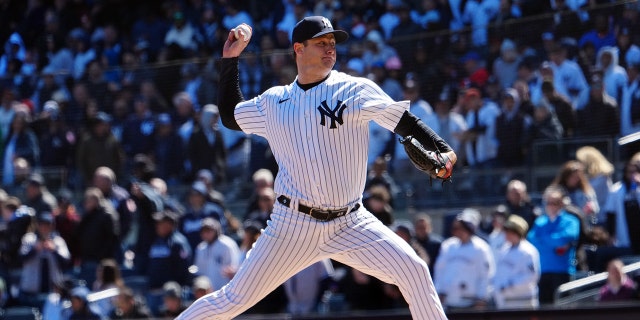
97 235
204 155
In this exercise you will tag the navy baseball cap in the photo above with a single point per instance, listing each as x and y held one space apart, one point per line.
316 26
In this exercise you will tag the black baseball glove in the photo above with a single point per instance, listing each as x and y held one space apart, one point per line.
431 162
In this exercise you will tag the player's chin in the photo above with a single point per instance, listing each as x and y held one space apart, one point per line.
328 62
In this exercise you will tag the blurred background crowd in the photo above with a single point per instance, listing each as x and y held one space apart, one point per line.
123 196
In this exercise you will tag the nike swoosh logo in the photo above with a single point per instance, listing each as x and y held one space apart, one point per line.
283 100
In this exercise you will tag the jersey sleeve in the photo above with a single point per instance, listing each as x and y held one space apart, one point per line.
376 105
250 116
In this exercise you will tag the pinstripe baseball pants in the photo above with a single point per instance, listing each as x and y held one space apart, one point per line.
293 240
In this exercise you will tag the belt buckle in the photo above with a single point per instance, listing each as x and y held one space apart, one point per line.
328 215
323 219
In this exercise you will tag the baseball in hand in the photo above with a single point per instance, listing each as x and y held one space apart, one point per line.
242 32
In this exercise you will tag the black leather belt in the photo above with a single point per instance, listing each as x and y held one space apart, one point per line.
316 213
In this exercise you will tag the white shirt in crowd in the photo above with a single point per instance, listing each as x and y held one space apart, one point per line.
517 272
212 259
463 271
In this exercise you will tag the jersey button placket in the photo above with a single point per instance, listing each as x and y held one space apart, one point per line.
306 118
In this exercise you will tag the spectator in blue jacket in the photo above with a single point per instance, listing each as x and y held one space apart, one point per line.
555 235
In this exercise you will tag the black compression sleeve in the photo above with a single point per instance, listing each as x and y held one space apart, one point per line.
229 90
411 125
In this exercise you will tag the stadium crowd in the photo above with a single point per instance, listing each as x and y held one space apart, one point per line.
121 99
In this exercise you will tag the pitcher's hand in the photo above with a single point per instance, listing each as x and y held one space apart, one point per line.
233 47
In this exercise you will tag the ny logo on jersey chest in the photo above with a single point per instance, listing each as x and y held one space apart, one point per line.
335 114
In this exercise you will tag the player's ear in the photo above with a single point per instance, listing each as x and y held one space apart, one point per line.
298 47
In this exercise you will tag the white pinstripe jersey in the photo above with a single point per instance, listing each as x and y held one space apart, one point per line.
320 137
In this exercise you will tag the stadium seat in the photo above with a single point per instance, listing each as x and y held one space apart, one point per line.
21 313
138 284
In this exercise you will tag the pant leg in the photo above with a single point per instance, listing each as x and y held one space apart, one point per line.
364 243
548 284
545 287
288 245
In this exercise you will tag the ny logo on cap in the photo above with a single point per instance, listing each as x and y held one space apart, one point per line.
327 23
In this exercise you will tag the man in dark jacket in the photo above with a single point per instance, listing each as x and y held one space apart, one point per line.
99 148
206 145
600 116
137 134
429 240
147 201
512 131
105 180
198 208
169 163
37 196
97 235
16 221
561 106
170 254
